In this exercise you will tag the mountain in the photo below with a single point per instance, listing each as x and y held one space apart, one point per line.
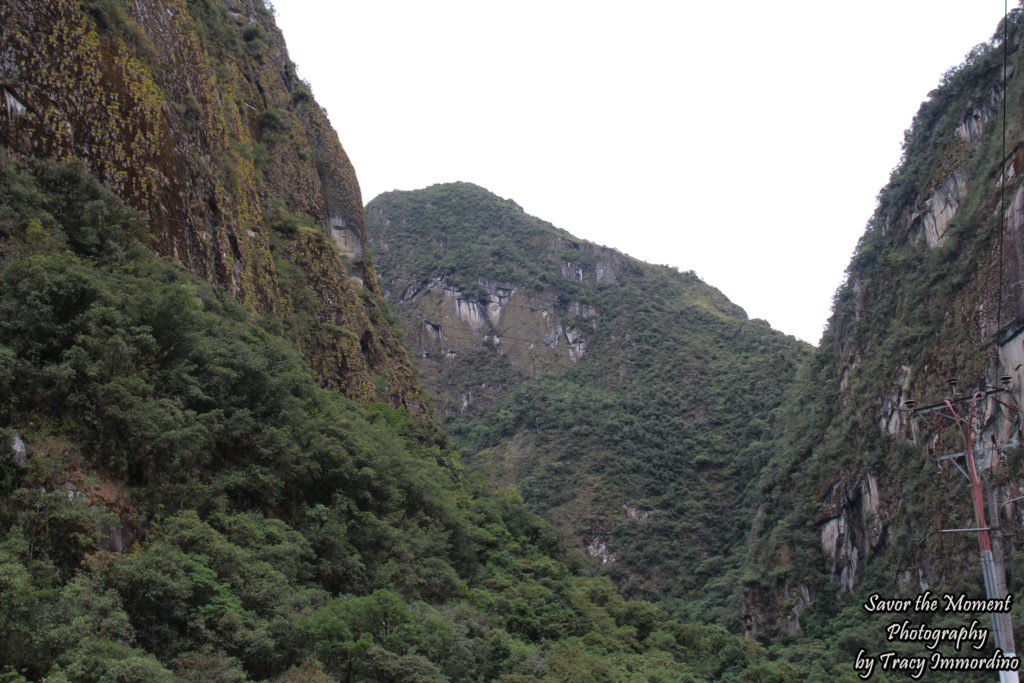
194 115
703 460
220 458
215 461
859 491
627 402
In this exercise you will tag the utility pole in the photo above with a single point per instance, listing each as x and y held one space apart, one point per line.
993 564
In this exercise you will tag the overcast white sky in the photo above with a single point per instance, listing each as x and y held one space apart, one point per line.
744 140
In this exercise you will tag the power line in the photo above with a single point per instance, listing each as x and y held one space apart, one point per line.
1002 177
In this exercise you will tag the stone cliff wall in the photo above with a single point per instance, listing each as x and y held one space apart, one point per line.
523 330
933 293
193 113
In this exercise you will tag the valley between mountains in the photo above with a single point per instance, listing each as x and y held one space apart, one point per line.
251 430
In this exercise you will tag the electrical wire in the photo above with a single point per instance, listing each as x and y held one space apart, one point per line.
1002 177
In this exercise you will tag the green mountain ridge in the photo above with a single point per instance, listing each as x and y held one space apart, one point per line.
841 496
625 400
931 294
215 462
222 457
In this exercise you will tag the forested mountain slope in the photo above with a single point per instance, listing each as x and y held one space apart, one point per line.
608 390
627 402
215 458
214 461
856 499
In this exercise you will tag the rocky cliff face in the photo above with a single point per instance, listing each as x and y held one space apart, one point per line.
193 113
480 323
933 293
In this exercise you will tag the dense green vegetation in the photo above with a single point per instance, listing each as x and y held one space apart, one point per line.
464 231
192 506
738 499
665 413
182 499
908 312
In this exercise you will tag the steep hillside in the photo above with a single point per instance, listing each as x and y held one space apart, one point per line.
214 459
180 501
213 462
626 401
856 497
193 113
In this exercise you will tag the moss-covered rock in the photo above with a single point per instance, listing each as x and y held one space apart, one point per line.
193 113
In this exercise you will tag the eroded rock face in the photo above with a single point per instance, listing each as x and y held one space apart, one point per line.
1012 304
93 96
113 520
356 344
805 595
453 314
891 416
18 452
471 312
850 537
524 328
598 548
938 209
209 132
348 242
637 513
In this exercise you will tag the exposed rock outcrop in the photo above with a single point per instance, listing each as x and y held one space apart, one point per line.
856 530
17 452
